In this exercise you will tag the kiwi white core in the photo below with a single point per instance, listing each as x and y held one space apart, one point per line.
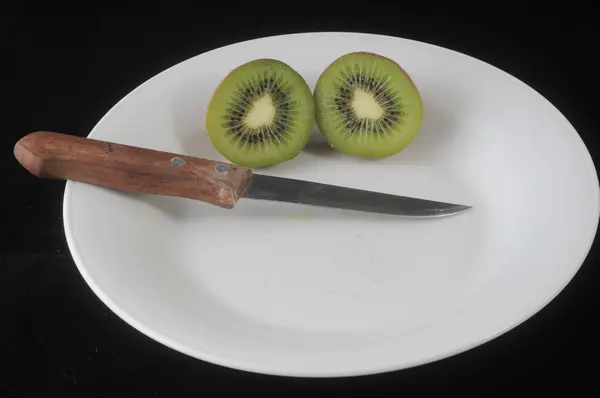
261 114
365 106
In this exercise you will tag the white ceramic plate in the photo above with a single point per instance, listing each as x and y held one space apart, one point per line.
290 290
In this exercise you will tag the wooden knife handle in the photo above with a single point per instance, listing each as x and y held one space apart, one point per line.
53 155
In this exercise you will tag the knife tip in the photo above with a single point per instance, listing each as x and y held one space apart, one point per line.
449 210
458 209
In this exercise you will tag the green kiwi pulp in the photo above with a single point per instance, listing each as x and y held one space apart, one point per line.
366 105
261 114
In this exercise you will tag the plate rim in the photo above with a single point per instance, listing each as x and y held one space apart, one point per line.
231 363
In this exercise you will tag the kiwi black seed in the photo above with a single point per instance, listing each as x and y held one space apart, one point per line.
261 114
366 105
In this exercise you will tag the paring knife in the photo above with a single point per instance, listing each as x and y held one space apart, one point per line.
53 155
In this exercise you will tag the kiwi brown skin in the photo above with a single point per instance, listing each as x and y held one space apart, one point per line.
395 146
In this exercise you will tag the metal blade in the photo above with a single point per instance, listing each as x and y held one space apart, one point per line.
317 194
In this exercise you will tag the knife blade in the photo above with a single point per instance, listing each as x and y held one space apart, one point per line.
52 155
325 195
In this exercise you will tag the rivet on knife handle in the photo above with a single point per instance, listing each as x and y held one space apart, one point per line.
60 156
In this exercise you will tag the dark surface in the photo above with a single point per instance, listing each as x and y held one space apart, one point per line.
64 73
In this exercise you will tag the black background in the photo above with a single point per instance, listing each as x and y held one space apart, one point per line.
63 73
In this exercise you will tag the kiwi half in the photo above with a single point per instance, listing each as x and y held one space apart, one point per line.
261 114
366 105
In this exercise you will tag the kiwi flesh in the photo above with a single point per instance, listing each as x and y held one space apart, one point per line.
261 114
367 105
